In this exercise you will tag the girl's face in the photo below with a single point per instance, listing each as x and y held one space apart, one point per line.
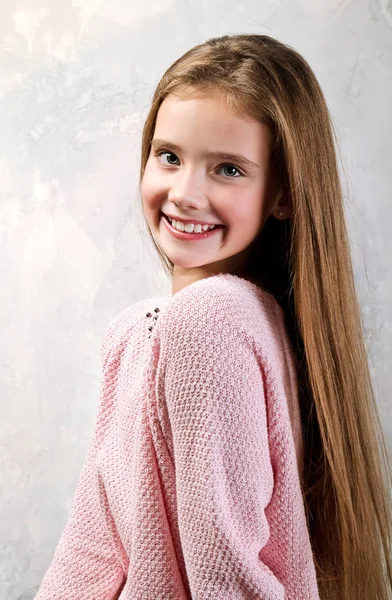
187 176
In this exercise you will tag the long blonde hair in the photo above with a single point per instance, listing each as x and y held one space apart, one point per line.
347 470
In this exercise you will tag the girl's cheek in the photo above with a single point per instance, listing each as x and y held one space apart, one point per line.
148 185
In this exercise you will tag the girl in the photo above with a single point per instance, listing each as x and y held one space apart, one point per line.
238 451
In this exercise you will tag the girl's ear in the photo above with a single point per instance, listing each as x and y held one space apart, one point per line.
282 207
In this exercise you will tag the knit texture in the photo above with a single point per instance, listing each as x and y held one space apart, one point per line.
191 486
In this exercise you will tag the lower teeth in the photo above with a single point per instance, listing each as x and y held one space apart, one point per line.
194 232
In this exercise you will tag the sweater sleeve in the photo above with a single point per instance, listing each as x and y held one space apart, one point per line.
211 403
88 562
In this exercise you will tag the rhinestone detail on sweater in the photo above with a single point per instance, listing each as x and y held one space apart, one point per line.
154 319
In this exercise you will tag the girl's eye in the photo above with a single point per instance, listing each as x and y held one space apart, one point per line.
232 167
224 165
164 152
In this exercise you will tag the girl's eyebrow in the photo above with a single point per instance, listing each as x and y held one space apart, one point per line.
230 156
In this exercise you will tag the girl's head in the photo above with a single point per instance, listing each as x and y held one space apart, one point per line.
252 96
280 202
190 174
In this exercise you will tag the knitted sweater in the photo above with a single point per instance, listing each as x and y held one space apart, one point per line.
191 486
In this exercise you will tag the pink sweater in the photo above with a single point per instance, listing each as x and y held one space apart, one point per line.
191 486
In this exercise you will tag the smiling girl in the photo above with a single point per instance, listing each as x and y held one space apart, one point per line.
238 452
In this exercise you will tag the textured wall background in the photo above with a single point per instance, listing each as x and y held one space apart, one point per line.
76 80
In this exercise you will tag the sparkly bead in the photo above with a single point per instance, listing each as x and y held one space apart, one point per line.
156 310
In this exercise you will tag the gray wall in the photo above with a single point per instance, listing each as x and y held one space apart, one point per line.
76 80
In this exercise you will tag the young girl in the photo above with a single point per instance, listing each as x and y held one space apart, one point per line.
237 452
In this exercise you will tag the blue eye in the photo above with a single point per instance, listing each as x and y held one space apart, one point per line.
224 165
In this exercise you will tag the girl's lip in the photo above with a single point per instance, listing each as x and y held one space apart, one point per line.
183 235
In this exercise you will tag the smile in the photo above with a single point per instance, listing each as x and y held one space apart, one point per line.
189 235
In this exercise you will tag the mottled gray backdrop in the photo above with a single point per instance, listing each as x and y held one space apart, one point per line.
76 80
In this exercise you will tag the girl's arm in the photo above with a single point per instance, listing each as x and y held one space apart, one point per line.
89 562
211 399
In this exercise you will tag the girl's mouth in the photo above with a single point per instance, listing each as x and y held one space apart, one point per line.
184 235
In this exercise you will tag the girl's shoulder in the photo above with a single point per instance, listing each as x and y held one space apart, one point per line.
223 300
224 292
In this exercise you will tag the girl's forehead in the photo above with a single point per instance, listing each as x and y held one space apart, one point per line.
206 119
209 110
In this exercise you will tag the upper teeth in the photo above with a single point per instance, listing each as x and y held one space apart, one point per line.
190 227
